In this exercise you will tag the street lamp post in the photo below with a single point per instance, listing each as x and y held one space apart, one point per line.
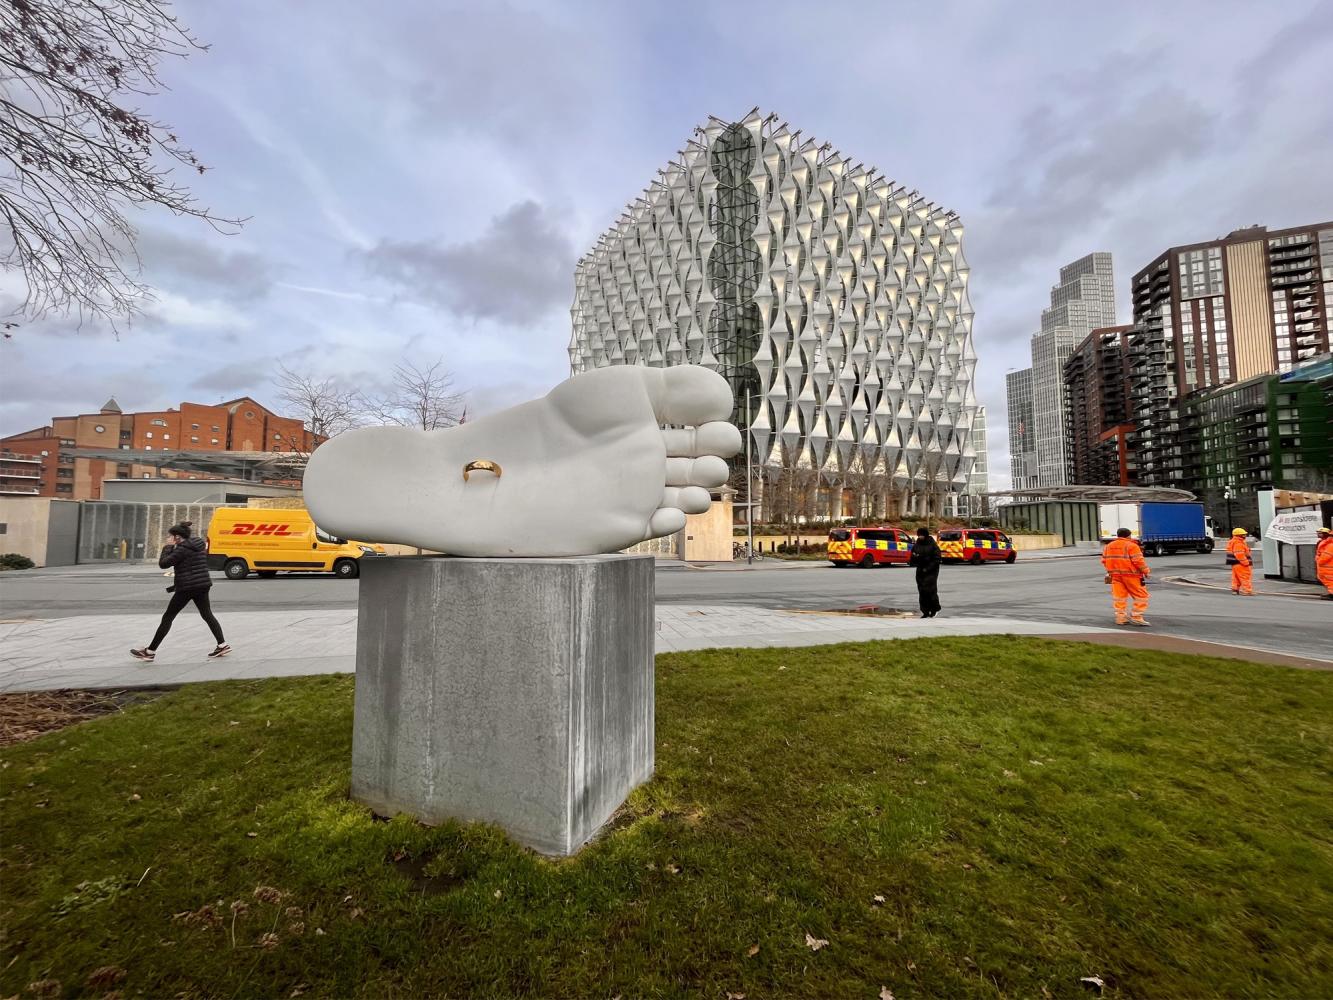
749 488
1229 494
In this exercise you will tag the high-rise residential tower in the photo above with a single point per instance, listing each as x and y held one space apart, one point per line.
830 296
1083 301
1022 429
1097 410
1210 314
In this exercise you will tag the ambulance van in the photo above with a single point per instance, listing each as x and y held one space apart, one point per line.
266 541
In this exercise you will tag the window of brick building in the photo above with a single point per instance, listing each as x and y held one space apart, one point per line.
158 422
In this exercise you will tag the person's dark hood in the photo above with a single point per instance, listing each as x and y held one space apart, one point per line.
195 543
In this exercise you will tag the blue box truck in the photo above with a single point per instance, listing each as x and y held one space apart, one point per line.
1159 527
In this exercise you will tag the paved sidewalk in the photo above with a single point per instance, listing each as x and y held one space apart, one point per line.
1262 585
92 651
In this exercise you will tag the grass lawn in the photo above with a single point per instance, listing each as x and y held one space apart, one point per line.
954 817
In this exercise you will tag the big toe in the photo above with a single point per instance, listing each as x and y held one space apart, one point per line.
692 395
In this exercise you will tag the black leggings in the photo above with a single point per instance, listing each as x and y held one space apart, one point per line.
178 602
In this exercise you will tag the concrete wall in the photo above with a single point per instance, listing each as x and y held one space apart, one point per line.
194 491
44 530
708 536
1031 543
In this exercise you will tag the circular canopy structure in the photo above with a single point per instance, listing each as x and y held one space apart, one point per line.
1100 494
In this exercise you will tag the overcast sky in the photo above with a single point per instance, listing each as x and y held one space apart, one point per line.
421 176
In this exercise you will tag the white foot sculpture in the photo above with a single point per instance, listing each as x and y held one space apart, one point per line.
586 469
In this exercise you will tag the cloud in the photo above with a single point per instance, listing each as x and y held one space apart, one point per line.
516 272
1077 171
241 376
182 263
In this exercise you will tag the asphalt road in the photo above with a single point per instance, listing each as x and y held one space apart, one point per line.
1049 590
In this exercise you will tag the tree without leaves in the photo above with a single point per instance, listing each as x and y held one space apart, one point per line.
77 153
326 407
419 397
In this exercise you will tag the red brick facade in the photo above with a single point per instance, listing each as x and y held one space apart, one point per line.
238 425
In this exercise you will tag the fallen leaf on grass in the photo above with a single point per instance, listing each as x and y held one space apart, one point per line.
911 966
297 990
319 932
136 797
1093 982
1036 763
877 900
1009 774
752 951
356 912
735 996
814 943
966 866
45 988
252 833
107 975
673 869
919 781
885 993
498 894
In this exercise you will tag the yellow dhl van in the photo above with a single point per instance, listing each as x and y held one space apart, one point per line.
241 539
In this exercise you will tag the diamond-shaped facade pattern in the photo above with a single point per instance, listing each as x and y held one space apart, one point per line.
834 297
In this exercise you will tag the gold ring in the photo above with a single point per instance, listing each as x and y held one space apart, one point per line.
481 464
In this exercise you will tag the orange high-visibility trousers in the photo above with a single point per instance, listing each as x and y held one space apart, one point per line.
1241 577
1122 589
1326 577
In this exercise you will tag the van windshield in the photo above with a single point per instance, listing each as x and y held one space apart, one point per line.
324 536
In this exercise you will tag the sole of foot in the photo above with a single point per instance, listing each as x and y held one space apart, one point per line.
607 459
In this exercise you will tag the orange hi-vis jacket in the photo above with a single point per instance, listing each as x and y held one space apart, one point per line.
1123 557
1323 555
1237 549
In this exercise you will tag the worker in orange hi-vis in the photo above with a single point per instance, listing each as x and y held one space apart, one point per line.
1241 563
1126 572
1323 561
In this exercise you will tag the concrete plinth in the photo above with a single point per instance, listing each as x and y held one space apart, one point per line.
513 691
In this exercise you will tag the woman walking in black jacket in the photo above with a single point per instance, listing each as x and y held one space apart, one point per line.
926 559
189 557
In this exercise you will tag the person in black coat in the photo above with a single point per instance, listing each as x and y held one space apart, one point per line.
189 558
926 559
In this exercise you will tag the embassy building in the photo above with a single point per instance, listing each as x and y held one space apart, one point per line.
833 299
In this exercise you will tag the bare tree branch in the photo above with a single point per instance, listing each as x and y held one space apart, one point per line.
76 154
419 397
326 407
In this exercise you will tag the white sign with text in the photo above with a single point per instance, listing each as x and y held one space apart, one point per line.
1297 527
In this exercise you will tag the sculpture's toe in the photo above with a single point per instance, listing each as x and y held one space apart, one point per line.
719 437
665 521
707 471
691 395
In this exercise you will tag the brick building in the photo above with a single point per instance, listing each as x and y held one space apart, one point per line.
45 461
1097 406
